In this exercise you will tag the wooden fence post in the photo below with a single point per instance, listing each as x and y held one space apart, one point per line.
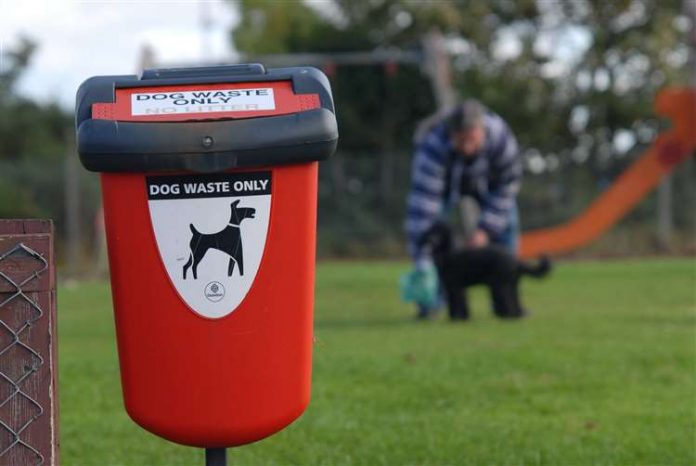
28 366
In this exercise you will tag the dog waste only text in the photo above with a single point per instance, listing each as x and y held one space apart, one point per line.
219 185
203 101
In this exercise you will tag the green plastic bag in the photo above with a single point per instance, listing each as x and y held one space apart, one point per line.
420 286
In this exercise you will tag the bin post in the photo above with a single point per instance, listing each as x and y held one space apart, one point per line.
215 457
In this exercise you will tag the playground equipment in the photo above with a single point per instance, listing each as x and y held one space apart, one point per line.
669 150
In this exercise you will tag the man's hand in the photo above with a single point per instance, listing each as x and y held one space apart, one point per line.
479 239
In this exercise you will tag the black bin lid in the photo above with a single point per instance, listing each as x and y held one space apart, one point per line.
211 145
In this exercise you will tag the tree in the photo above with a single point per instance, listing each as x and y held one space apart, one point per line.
33 144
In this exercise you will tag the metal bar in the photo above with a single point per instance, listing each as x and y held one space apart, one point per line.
376 57
215 457
665 221
72 210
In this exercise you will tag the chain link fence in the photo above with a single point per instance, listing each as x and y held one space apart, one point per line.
27 379
14 376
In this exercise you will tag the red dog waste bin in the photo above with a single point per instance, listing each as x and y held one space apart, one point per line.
209 180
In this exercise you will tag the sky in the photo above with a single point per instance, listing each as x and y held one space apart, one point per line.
82 38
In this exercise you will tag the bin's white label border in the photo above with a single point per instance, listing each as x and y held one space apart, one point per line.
202 101
211 233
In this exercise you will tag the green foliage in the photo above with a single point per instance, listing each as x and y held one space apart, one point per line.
34 142
28 129
602 373
269 26
293 24
14 62
16 202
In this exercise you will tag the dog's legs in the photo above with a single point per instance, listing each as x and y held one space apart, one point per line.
515 295
188 264
230 267
505 300
457 303
239 257
197 257
502 305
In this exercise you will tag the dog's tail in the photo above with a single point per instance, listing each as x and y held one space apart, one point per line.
194 231
537 270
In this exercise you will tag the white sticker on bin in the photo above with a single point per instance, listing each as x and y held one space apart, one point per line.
203 101
211 233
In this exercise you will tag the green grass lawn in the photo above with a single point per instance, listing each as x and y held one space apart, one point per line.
602 373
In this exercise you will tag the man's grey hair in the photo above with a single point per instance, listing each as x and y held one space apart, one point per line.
466 115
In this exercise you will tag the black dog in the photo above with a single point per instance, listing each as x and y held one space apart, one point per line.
227 240
493 266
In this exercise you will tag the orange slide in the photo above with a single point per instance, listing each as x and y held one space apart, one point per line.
670 149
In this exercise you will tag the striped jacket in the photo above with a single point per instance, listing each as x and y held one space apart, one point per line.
440 177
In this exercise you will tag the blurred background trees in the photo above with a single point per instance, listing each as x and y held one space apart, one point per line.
32 139
39 175
575 80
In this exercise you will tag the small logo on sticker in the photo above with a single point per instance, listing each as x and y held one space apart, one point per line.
214 291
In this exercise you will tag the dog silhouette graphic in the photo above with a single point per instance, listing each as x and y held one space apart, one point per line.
227 240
